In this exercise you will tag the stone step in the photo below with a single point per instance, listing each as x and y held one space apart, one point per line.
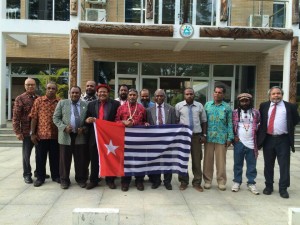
8 137
6 130
11 143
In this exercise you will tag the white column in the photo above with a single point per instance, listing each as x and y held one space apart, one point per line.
177 12
2 10
2 81
218 12
289 12
286 71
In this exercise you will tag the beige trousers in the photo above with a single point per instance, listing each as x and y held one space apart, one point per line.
212 150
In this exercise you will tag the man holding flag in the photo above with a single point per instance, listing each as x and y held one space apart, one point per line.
104 109
131 114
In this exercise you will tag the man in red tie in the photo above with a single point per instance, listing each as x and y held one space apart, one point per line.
276 136
106 109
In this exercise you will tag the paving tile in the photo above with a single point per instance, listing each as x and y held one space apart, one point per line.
7 196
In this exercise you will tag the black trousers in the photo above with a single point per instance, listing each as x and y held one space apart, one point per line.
94 159
42 148
80 155
26 153
127 180
156 178
277 147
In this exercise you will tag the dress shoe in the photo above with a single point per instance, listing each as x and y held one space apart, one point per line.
168 186
155 185
198 187
46 177
125 187
284 194
183 186
111 185
267 191
82 185
28 180
140 186
64 185
38 183
207 186
57 180
222 187
91 185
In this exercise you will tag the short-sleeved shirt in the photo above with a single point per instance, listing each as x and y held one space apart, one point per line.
22 107
199 114
219 122
42 111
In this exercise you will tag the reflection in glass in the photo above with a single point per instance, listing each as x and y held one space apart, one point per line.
206 12
223 70
278 17
201 90
29 69
151 85
160 69
134 11
168 12
192 70
104 73
13 9
127 68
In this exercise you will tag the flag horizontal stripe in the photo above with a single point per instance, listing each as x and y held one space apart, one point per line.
158 138
135 173
157 129
134 143
157 146
153 151
151 166
171 154
145 156
171 133
139 161
143 169
157 158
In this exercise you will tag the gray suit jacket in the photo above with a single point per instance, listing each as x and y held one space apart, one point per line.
62 118
170 115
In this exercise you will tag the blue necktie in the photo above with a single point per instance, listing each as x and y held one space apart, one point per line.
191 117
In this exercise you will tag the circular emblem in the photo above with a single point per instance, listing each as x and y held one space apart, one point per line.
186 30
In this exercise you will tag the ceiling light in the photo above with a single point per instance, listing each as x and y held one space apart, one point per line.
223 46
136 44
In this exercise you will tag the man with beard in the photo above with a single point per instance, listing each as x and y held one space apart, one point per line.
123 94
276 136
130 114
90 91
192 114
106 109
145 99
245 120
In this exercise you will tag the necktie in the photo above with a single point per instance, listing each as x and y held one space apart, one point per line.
77 117
160 121
101 111
191 117
271 120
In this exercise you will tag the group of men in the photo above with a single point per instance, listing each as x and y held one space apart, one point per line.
66 127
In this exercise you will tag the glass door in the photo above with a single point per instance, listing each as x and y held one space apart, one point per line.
229 85
130 80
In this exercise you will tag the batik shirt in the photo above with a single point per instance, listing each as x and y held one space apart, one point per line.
219 122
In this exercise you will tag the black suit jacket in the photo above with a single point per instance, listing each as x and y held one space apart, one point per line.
292 120
93 111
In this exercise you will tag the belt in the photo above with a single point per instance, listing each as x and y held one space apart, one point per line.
277 135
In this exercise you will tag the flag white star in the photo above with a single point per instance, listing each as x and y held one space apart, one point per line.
111 148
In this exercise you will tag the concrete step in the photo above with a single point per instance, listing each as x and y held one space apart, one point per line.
11 143
8 137
6 130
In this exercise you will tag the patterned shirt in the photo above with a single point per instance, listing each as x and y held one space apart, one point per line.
255 124
42 111
219 122
88 98
136 110
21 120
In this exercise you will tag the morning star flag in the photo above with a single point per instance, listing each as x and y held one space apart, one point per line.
142 150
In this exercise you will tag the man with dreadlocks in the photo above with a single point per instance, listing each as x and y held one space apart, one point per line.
246 120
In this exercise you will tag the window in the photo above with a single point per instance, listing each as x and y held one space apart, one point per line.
159 69
167 12
206 12
49 10
135 11
192 70
13 9
278 17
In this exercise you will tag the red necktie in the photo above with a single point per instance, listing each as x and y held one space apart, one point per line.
160 121
101 111
271 120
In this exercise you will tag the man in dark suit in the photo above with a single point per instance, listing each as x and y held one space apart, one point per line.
159 114
106 109
276 136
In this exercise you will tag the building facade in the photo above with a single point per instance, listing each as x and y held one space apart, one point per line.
246 45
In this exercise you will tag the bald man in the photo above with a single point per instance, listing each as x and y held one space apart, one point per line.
21 124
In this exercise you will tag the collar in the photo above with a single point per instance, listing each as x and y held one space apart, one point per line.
185 103
162 105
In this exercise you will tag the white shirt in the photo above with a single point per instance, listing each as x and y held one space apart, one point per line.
280 122
162 113
245 129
